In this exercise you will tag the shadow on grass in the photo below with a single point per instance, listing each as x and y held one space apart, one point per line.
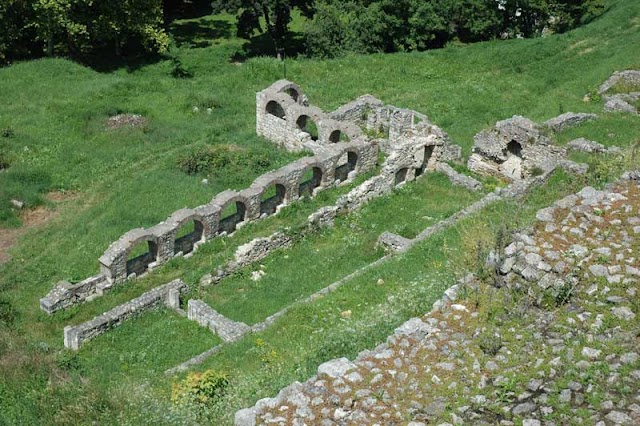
262 45
200 33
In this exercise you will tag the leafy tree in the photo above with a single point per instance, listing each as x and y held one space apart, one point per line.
276 15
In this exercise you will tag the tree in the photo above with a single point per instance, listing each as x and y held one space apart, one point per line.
276 15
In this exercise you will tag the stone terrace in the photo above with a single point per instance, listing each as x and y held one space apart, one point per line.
564 352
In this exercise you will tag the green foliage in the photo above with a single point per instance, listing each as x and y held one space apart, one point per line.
200 388
80 27
407 25
68 360
8 314
275 15
215 160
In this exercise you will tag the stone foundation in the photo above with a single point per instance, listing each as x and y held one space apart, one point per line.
168 294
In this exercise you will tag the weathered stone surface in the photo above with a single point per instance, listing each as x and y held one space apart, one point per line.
568 119
585 145
627 77
458 178
228 330
514 149
393 242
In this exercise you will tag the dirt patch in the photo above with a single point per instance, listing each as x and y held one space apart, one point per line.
121 121
31 218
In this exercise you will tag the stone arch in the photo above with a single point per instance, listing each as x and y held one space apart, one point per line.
343 170
293 92
311 179
138 260
401 176
306 124
188 233
232 213
273 195
274 108
338 136
427 154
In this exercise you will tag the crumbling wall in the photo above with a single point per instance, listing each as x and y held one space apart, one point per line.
228 330
514 149
336 163
168 294
283 116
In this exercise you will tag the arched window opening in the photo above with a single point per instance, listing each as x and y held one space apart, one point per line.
428 152
310 181
338 136
343 170
401 176
272 197
514 148
293 93
141 256
307 125
232 214
274 108
188 235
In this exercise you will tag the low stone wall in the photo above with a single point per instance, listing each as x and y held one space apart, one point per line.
228 330
65 294
254 251
168 294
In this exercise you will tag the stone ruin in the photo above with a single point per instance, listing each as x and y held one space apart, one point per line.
514 149
628 85
342 152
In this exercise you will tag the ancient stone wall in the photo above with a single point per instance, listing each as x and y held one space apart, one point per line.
415 146
168 294
514 149
284 117
220 325
305 177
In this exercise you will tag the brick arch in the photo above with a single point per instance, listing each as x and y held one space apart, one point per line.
343 170
274 108
270 204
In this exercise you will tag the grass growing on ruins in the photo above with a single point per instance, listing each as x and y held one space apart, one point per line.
302 270
53 137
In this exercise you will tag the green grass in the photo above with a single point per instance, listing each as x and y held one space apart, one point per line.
302 270
123 179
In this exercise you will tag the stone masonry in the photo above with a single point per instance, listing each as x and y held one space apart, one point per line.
206 316
168 294
571 363
514 149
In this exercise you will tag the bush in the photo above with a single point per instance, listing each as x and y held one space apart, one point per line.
212 160
8 314
200 389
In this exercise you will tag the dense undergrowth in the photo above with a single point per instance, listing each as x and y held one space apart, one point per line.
53 113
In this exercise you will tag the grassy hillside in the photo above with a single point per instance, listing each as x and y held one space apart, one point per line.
106 182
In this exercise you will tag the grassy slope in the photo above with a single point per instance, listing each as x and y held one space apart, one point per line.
128 179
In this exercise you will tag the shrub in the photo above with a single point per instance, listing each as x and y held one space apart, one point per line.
68 360
200 389
212 160
8 313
